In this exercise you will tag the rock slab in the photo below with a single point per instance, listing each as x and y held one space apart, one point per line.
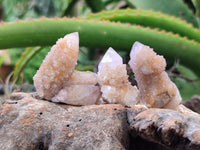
174 130
28 123
193 103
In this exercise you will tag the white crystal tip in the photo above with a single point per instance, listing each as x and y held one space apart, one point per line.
136 47
137 44
111 57
74 34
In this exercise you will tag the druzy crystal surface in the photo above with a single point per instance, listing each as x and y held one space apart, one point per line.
58 81
78 95
79 89
113 80
156 88
58 65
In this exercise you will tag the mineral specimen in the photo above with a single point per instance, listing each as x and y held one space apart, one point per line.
113 79
58 65
156 88
56 79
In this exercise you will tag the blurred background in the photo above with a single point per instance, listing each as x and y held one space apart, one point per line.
11 10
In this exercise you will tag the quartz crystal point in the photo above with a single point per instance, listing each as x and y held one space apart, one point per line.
113 79
58 65
156 88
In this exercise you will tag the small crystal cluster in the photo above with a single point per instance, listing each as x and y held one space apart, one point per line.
58 81
57 66
156 88
113 79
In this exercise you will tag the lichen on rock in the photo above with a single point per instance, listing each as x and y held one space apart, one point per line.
156 88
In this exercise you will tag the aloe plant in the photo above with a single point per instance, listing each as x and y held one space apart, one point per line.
172 7
150 19
102 34
168 35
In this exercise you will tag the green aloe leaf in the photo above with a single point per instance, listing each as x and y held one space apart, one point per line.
150 19
100 34
173 7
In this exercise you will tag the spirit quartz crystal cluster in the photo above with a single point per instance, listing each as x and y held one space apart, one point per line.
156 88
58 81
113 80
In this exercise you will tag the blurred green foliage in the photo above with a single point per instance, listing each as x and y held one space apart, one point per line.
23 9
173 7
188 82
32 61
1 60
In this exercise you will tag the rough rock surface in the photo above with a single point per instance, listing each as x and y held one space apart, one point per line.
193 103
176 130
29 123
